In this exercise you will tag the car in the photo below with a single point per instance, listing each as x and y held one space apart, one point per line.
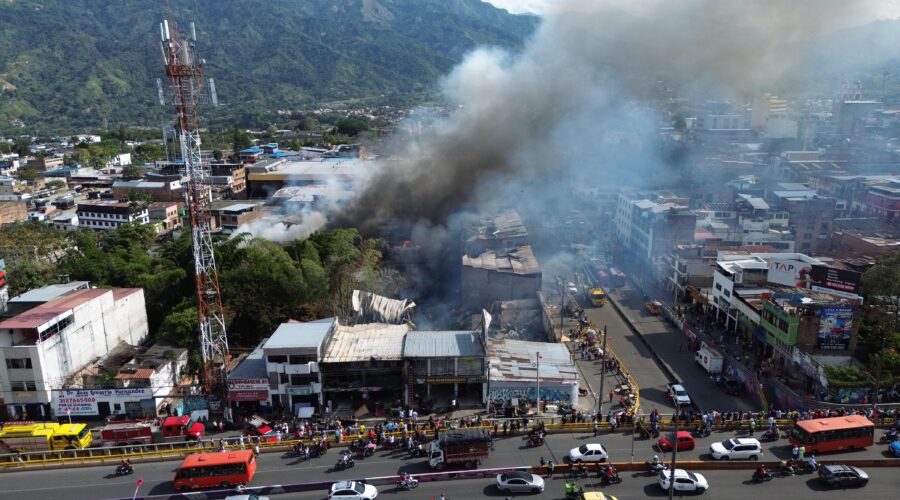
685 441
736 449
352 490
679 394
684 481
894 448
654 307
246 497
591 452
520 482
841 476
571 287
731 386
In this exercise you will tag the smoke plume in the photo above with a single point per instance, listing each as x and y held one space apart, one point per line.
576 104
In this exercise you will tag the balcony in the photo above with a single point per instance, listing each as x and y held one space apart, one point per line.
300 390
302 369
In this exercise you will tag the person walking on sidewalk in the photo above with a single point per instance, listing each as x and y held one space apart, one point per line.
612 394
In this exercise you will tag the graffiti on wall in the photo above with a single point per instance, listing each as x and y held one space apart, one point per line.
527 393
849 396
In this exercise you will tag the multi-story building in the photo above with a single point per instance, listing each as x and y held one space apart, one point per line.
44 346
445 365
160 190
810 216
228 180
292 356
650 225
165 215
231 216
105 215
45 163
884 200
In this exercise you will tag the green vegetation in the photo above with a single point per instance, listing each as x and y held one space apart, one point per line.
262 283
85 63
879 329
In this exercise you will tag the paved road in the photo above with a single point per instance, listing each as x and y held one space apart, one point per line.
669 344
635 356
98 482
735 485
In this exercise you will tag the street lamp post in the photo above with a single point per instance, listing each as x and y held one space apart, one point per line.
674 451
602 376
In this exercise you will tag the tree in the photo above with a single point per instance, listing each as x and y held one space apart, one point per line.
217 154
27 174
56 184
240 140
149 152
22 147
132 172
351 126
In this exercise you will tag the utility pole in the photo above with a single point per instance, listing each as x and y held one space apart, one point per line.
674 450
602 375
538 371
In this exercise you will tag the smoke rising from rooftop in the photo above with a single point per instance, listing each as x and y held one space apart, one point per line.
561 111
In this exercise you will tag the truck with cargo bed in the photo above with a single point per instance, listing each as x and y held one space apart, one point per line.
137 432
464 447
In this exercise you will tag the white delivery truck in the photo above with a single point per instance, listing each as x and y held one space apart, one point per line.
710 359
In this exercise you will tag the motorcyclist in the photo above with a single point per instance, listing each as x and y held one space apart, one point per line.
571 489
125 464
610 473
786 468
655 461
761 472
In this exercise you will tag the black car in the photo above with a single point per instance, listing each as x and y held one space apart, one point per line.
841 476
731 386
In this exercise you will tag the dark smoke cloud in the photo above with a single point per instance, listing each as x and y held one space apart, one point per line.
564 109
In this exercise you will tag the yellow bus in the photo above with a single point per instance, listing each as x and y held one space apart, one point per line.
598 297
43 436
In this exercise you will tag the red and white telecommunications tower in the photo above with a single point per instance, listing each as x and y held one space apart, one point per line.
185 72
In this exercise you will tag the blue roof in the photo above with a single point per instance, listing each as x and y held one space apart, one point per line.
254 149
253 366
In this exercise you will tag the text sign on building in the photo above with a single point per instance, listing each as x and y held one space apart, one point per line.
828 279
789 272
78 402
251 389
835 328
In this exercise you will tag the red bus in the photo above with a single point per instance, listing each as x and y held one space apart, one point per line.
822 435
210 470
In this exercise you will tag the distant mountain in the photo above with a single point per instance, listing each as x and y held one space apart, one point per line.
82 63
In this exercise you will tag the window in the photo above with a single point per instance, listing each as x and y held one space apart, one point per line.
282 378
23 386
727 293
298 360
18 363
718 286
277 359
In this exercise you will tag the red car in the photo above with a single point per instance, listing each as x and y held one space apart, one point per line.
685 441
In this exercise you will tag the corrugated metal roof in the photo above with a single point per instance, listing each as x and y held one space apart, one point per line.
520 260
308 335
364 342
443 344
517 360
49 292
47 311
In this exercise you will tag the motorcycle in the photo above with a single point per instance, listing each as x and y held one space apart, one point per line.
408 483
578 470
769 435
573 491
702 432
345 462
124 470
535 440
888 436
418 451
761 477
609 475
655 468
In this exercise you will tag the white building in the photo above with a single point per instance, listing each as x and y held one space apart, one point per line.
292 357
44 346
106 215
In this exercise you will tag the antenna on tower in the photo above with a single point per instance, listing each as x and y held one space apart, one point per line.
213 97
159 90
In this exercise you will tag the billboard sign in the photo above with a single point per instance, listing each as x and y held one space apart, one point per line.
251 389
835 328
830 280
77 402
789 272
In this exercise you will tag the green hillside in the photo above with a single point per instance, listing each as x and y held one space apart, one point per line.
90 63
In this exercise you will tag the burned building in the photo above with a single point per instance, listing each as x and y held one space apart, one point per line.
498 275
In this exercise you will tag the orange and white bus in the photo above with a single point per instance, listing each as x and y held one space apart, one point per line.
822 435
211 470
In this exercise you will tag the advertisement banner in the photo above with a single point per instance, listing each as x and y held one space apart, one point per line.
835 328
249 384
828 279
77 402
789 272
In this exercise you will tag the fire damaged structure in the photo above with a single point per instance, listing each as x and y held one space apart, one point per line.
498 275
445 365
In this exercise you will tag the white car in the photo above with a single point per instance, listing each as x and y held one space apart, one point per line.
684 481
352 490
592 452
520 482
679 394
737 449
571 287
